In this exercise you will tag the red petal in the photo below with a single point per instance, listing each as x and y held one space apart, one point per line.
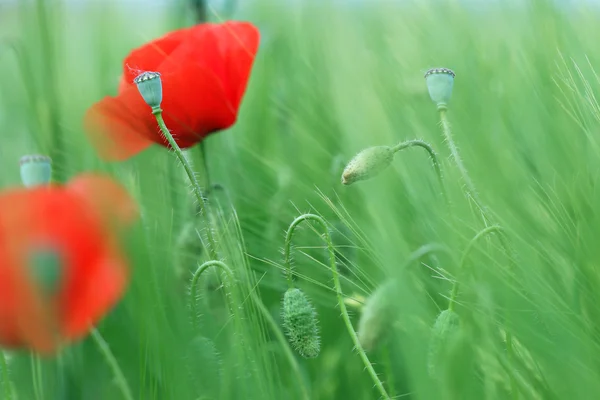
120 127
107 197
149 56
205 78
50 217
93 295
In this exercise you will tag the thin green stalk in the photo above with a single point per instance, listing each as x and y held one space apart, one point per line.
458 160
8 395
36 370
190 173
338 290
487 231
57 150
113 364
432 156
261 307
486 217
207 181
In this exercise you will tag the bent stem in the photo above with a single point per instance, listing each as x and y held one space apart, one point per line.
193 286
338 289
432 156
113 364
509 345
5 377
190 173
261 307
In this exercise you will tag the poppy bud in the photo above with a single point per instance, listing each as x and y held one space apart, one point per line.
439 83
377 315
367 164
35 170
444 329
150 86
301 323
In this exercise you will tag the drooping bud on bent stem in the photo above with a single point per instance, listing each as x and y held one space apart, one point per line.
338 289
373 160
301 323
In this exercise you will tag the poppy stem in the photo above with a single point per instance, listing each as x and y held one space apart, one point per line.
261 307
432 156
157 111
113 364
7 385
338 289
472 194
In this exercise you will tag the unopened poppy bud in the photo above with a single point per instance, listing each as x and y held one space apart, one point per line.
301 323
367 164
439 83
35 170
377 315
150 86
445 327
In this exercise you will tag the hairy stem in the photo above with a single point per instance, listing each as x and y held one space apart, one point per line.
432 156
261 307
190 173
338 289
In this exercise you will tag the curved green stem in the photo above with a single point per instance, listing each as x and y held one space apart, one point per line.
432 156
196 277
113 364
57 150
5 377
261 307
466 253
338 289
425 250
190 173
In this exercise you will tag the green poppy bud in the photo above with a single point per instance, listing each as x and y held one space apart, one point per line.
377 315
35 170
150 87
445 327
367 164
301 323
439 83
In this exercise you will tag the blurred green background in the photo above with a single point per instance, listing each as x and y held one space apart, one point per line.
331 79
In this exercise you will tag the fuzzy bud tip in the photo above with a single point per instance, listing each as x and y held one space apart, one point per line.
367 164
301 323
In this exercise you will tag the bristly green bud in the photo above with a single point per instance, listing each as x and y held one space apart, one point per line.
439 83
301 323
367 164
376 319
445 328
150 86
35 170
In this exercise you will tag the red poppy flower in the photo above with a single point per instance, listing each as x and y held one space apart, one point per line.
204 71
60 267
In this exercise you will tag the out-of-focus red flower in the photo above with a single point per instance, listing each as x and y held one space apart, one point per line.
204 71
61 269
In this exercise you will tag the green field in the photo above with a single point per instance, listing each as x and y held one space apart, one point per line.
330 80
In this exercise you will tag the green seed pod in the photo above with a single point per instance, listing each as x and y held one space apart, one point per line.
150 86
445 328
204 365
367 164
439 83
377 315
300 323
35 170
